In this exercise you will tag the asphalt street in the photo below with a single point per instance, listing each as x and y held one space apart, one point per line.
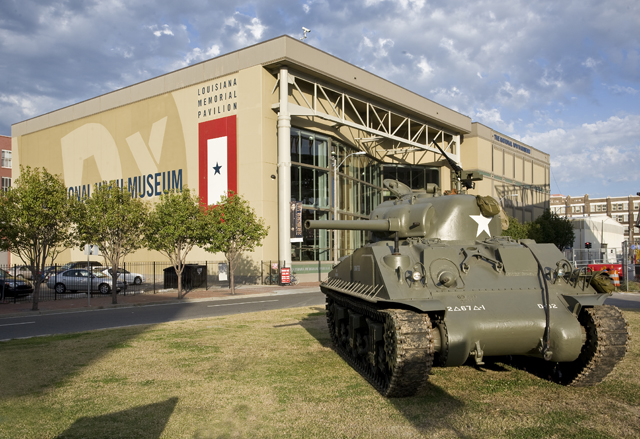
66 322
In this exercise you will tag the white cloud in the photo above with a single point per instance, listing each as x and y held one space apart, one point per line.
425 68
492 118
163 30
590 63
618 89
593 158
197 55
246 33
379 48
510 95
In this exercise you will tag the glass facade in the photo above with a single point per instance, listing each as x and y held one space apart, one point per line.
358 184
416 177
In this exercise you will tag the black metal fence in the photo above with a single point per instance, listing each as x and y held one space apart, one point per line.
71 280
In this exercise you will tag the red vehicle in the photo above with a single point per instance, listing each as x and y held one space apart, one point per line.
609 267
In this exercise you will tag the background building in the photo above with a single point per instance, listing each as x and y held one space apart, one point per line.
515 174
297 132
5 181
624 210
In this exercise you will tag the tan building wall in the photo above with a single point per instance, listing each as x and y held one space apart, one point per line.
158 137
515 174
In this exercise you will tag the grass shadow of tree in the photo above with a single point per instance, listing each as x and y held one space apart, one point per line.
433 409
54 361
148 422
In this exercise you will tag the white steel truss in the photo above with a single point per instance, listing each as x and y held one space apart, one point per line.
381 132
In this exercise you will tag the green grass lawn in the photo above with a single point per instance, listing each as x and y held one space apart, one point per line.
273 374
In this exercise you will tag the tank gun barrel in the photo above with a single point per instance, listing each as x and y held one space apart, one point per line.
381 225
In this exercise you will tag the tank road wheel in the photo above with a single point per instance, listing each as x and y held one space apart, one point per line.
605 345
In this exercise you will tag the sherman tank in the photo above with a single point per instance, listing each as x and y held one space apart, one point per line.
437 285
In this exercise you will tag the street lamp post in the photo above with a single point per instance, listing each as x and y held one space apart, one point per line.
335 199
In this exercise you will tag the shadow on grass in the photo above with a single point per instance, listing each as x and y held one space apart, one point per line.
40 363
432 410
148 421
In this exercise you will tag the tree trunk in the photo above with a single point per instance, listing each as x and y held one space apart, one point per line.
36 295
231 280
114 283
36 287
179 273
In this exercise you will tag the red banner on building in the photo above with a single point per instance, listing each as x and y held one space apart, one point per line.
218 159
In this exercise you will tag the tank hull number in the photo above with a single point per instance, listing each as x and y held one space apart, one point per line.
551 305
466 308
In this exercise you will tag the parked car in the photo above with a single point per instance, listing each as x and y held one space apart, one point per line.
77 280
127 276
80 264
22 271
11 286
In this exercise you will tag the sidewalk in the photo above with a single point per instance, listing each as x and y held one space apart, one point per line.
80 302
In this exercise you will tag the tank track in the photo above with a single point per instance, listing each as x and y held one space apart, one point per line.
398 363
607 336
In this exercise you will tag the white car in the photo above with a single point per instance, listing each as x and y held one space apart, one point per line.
78 281
127 276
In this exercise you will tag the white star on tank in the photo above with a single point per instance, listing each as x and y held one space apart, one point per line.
483 224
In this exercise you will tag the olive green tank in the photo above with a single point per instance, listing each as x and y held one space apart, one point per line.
438 286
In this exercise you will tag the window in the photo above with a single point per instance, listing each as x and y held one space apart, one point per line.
358 191
6 159
416 177
6 184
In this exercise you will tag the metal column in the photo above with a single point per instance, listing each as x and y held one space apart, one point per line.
284 172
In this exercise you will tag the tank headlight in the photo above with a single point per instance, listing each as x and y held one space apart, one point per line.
416 276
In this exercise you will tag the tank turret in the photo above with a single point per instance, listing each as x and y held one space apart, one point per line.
439 285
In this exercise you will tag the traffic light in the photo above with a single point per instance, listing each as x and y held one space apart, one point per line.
587 245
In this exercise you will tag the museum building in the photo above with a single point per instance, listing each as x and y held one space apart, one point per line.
296 131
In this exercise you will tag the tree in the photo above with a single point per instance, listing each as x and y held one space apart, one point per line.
516 229
551 228
233 228
112 219
175 225
34 218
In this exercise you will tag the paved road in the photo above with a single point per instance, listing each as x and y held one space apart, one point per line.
78 321
624 300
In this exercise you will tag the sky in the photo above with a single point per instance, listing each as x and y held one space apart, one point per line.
561 76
